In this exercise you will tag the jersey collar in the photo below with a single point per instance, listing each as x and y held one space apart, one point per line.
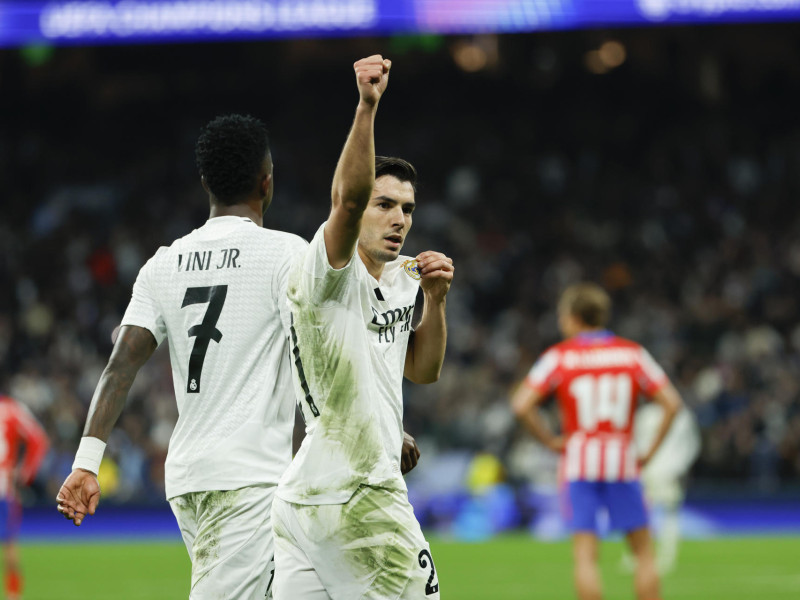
228 219
592 337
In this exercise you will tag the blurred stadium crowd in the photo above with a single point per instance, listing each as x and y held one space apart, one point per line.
671 177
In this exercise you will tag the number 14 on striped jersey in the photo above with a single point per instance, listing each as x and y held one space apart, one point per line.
602 398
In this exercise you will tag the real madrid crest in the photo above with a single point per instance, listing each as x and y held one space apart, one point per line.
411 267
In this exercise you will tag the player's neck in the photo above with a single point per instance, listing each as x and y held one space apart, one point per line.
246 211
374 267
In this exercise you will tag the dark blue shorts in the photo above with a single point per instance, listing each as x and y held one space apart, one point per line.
10 519
622 499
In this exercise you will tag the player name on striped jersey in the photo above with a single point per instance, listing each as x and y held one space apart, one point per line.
601 359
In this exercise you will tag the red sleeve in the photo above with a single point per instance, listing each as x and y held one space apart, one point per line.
650 374
36 443
543 376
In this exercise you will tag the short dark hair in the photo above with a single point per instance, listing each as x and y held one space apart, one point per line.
588 302
396 167
230 152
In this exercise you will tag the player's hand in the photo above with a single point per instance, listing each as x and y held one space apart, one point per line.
436 274
557 444
372 77
78 496
409 455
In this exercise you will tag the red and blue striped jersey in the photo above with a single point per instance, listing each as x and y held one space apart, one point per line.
597 378
19 427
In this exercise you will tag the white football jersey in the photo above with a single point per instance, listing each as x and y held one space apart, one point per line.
349 337
679 449
218 295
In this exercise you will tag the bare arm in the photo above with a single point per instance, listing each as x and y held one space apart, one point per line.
525 403
669 399
80 493
426 347
134 346
409 454
355 172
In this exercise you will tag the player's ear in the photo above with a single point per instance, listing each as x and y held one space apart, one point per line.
266 192
266 184
205 185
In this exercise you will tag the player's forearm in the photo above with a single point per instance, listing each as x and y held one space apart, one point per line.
107 403
426 350
355 172
666 422
670 402
525 403
134 346
533 423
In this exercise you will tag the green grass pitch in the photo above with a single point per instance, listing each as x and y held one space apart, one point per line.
506 568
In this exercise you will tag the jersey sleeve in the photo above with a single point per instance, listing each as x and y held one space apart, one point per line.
543 376
650 375
36 442
143 309
295 247
322 284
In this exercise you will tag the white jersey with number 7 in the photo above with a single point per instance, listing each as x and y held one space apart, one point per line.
218 295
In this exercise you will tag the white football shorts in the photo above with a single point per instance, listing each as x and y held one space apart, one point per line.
229 538
369 548
663 491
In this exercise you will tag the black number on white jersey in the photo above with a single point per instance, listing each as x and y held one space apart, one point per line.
271 567
425 558
300 372
204 332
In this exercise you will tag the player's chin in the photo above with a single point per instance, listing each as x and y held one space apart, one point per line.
388 255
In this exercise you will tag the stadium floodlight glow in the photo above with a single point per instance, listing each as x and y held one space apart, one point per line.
469 57
594 64
155 21
612 54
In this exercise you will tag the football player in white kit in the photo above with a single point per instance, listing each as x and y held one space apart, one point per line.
344 528
664 477
218 295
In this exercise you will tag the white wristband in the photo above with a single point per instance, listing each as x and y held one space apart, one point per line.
89 454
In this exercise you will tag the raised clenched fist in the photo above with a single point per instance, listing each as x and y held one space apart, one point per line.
372 76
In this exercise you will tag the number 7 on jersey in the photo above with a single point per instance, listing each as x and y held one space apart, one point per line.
205 331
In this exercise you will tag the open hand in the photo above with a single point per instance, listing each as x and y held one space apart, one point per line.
78 496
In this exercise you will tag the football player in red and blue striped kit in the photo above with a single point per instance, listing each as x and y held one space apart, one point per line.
17 427
598 378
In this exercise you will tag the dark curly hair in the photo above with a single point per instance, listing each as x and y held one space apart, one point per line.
396 167
229 152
